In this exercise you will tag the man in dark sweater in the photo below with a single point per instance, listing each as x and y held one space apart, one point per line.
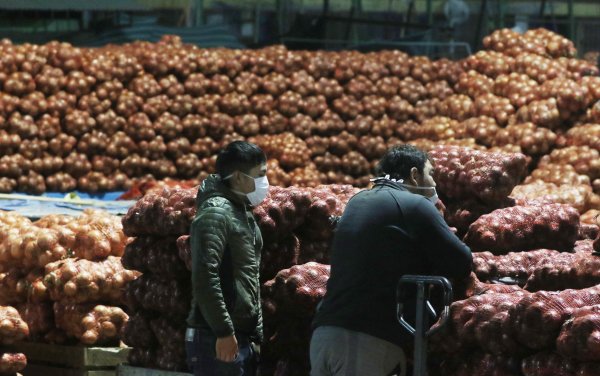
385 232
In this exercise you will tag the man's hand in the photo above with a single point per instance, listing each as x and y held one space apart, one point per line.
227 349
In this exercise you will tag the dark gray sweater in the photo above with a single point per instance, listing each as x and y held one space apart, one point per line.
384 233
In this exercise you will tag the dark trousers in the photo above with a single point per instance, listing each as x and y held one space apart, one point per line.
202 359
340 352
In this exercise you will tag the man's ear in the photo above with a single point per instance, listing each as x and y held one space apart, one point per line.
414 175
235 177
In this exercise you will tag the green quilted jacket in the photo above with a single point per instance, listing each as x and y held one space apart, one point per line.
226 244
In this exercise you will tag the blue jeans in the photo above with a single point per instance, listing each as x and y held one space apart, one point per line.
202 359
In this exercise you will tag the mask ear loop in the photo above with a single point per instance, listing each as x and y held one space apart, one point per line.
401 181
233 190
231 175
388 178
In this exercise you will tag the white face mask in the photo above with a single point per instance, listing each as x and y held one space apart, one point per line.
261 189
428 192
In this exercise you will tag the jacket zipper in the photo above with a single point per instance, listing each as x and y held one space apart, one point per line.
253 231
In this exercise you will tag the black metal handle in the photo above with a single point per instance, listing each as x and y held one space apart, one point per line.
423 282
424 309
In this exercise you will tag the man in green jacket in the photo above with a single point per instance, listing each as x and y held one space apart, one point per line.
226 319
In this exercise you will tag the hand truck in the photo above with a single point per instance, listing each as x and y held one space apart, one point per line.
424 313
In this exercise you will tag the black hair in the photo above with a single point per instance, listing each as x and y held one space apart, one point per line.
239 156
399 160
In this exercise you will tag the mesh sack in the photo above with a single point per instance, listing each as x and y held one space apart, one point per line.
165 296
156 255
469 314
480 364
279 255
538 318
297 291
584 159
584 135
39 318
559 174
169 212
516 265
566 270
80 281
184 250
580 335
137 331
11 363
282 211
463 173
462 213
12 326
89 323
548 364
523 228
575 195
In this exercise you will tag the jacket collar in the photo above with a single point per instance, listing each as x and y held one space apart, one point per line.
213 186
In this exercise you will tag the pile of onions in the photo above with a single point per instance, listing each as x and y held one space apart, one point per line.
99 119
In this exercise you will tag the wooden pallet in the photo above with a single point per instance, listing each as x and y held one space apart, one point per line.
44 370
125 370
55 360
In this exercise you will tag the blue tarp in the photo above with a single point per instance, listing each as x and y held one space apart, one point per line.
38 209
106 196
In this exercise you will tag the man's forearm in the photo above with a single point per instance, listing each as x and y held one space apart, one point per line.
209 298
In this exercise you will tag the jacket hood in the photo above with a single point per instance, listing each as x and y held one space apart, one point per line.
212 186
